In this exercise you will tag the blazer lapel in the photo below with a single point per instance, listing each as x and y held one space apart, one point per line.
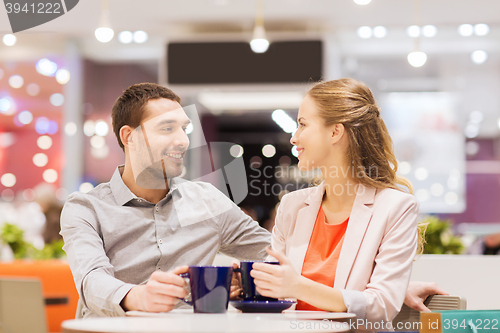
358 223
306 218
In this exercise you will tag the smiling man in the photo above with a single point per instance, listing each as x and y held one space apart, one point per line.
127 240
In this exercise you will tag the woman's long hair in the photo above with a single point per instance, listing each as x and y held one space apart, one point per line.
371 151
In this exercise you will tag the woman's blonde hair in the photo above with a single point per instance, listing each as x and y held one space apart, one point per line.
371 151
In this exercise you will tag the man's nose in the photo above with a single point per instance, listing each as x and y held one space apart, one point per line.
182 140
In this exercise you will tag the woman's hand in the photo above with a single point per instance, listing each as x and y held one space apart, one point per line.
236 290
278 281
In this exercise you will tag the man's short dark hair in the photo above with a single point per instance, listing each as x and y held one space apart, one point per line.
129 107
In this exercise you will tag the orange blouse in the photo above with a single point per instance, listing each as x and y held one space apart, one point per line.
320 262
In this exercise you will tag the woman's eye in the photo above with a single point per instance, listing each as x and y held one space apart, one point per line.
184 129
168 129
301 125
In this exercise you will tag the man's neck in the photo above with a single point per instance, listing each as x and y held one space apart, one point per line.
150 195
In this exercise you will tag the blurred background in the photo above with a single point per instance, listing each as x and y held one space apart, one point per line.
433 66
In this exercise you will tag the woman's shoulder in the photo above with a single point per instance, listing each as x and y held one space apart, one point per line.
300 195
394 195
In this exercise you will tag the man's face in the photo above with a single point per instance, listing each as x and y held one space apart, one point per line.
160 143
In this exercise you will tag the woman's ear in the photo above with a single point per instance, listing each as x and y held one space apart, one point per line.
126 136
337 132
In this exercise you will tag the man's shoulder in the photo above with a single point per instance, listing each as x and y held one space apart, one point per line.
100 192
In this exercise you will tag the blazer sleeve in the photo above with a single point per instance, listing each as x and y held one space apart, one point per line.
384 295
280 229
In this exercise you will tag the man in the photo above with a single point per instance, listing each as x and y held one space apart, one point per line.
127 240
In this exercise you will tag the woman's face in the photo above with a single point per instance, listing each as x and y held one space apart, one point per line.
312 138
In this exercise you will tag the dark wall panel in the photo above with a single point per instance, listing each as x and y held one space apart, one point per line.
209 63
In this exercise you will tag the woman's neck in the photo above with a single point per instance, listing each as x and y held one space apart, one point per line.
340 190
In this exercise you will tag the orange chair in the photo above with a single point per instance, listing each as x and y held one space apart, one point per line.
59 291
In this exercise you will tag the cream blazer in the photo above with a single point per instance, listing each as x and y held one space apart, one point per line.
380 242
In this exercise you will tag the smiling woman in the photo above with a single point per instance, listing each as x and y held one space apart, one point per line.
353 219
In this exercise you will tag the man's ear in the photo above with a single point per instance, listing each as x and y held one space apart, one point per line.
126 136
337 132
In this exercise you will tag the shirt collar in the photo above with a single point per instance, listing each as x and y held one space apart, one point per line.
123 194
120 191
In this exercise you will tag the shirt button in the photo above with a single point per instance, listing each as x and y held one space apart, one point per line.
158 269
160 241
157 208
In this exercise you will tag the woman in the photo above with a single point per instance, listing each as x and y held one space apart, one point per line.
347 244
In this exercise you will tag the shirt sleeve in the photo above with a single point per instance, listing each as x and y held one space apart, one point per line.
242 237
92 271
384 295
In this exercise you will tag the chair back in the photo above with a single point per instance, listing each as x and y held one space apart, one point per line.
22 306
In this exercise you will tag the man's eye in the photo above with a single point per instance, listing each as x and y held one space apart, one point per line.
301 125
167 129
184 129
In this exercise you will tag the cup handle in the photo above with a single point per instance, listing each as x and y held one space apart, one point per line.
186 299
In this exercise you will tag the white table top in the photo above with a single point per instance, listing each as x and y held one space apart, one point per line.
182 321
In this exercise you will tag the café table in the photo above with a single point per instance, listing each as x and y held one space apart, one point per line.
185 321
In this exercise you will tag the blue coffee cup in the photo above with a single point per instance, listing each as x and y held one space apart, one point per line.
247 283
210 287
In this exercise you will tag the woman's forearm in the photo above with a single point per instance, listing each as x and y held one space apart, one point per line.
320 296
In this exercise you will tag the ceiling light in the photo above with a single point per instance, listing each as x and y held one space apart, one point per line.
32 89
44 142
476 117
62 76
42 125
471 131
284 121
9 39
478 57
481 29
125 37
16 81
362 2
25 117
57 99
8 180
466 30
429 30
379 31
413 31
46 67
365 32
85 187
50 175
269 151
104 33
70 129
101 128
417 59
140 37
259 43
40 160
236 151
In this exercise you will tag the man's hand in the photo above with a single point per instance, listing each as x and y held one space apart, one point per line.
276 281
160 294
417 293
